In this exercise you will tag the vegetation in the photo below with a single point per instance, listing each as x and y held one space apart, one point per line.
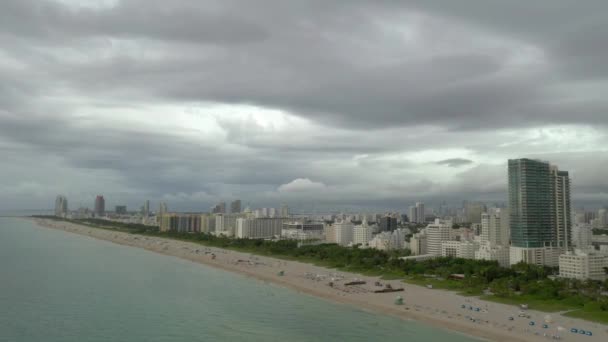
599 231
522 283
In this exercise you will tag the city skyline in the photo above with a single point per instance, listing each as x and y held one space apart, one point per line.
427 106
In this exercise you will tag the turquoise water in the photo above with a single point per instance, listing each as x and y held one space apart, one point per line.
57 286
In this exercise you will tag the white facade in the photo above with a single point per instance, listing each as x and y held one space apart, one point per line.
420 213
582 234
602 218
299 234
418 243
495 227
459 249
343 231
362 234
493 253
259 228
436 233
389 240
548 256
583 265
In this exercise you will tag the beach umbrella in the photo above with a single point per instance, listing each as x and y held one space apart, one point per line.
582 332
532 323
574 330
545 326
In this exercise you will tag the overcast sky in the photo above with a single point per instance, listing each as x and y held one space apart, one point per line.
362 104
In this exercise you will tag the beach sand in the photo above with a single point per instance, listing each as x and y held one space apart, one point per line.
437 308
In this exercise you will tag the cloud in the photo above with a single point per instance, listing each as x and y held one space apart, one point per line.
368 103
302 185
455 162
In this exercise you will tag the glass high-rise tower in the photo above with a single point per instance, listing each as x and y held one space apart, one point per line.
539 201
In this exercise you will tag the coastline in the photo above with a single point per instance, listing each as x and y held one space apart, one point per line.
437 308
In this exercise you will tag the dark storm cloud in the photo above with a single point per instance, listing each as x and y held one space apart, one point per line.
279 55
375 82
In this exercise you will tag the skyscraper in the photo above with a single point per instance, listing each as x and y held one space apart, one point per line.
162 208
61 206
100 206
145 209
420 213
412 217
561 203
284 211
235 206
219 208
539 202
387 224
473 211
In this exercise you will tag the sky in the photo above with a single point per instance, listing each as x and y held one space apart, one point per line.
317 104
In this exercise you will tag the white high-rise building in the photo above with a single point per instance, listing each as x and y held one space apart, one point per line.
389 240
413 218
582 234
495 227
162 208
344 231
272 212
259 228
459 249
420 213
436 233
284 210
602 218
362 234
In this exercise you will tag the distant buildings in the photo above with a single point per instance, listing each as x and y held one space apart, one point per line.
303 230
473 212
162 208
362 234
387 224
417 213
121 209
61 206
235 207
100 206
284 211
219 208
539 200
582 235
145 209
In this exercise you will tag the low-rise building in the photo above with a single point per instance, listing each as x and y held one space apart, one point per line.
490 252
582 264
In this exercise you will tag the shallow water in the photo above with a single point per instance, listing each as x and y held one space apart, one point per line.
57 286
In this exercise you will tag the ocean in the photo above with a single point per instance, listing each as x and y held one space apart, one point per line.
62 287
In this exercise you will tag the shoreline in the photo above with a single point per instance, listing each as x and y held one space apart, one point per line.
436 308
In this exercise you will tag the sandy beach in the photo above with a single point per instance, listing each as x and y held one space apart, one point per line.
443 309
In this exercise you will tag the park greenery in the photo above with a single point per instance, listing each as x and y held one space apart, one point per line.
521 284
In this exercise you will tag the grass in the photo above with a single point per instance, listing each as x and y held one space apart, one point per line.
533 303
591 312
